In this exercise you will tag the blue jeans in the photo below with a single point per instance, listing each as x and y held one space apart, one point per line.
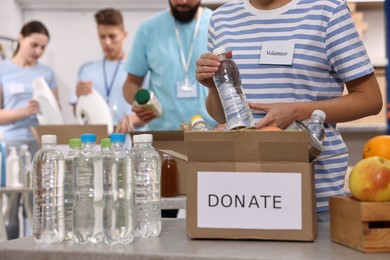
323 216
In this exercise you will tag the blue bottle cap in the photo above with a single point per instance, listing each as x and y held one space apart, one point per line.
118 137
88 138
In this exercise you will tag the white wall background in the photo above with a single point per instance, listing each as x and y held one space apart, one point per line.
74 37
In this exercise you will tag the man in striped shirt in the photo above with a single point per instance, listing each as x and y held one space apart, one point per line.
296 56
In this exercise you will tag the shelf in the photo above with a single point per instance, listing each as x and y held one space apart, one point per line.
96 4
366 1
364 128
122 4
91 4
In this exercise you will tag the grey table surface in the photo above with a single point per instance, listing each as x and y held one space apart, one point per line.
174 244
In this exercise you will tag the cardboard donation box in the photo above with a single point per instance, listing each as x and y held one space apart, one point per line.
173 141
250 185
66 132
364 226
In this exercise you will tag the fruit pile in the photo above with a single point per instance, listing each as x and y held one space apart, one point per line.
370 177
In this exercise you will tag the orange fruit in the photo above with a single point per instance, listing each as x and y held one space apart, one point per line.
270 128
377 146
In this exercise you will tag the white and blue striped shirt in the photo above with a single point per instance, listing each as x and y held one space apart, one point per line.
327 53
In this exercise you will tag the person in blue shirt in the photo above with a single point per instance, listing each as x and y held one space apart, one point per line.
107 75
17 108
166 46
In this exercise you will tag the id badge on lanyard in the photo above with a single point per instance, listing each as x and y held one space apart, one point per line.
186 89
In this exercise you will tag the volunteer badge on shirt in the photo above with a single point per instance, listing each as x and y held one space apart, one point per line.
277 53
186 89
16 88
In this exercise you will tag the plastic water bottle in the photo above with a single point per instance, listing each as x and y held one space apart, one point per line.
105 147
198 124
70 169
316 125
88 193
118 194
48 182
146 169
25 165
3 155
228 82
12 165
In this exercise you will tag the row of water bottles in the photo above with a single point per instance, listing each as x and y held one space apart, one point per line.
93 195
15 166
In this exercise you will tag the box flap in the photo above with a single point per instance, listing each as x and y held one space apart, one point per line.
247 146
66 132
168 140
175 154
162 135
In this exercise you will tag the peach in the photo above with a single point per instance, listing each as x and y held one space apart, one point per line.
370 179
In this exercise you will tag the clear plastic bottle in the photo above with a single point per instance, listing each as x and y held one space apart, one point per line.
198 124
228 82
316 124
25 166
70 169
3 155
88 193
118 194
12 165
105 146
146 99
48 182
168 176
146 169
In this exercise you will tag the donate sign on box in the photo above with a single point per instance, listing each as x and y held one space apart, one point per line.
249 200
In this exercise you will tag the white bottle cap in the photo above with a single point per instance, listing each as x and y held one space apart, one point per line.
219 50
145 138
319 113
49 139
24 147
12 150
196 119
136 139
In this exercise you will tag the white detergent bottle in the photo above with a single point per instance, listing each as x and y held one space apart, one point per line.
12 165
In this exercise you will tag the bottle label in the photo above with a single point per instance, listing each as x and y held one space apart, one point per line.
237 112
153 105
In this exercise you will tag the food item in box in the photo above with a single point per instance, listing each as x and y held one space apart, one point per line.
270 128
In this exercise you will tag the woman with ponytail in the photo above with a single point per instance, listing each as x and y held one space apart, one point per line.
17 108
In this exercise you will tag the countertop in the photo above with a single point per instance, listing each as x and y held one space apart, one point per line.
174 244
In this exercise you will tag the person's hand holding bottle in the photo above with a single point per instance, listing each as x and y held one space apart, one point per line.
145 115
32 107
206 66
84 88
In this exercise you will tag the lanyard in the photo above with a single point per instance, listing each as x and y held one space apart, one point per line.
186 64
109 87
